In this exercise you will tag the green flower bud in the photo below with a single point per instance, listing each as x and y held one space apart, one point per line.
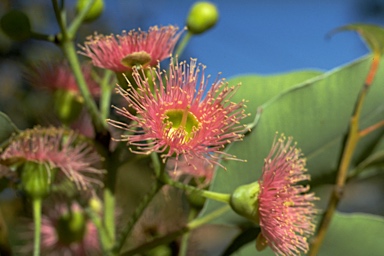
71 227
16 25
95 205
244 201
36 179
67 105
202 16
196 200
93 13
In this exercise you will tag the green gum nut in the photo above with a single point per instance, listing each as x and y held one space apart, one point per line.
71 227
196 200
202 16
93 13
16 25
36 179
67 106
96 205
244 201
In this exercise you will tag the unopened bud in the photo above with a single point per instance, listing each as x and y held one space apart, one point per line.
196 200
96 205
67 105
244 201
36 179
202 16
93 13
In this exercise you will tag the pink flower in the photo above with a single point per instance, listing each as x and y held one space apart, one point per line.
65 230
58 76
286 210
58 148
122 52
177 118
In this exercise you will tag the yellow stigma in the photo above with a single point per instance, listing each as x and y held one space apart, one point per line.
181 123
289 203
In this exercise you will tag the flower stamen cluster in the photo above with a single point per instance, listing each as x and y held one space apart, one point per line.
181 115
133 49
286 210
56 148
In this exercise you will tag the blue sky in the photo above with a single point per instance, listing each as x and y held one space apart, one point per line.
261 36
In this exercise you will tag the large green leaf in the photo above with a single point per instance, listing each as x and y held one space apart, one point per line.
263 88
373 35
7 128
348 234
354 235
315 112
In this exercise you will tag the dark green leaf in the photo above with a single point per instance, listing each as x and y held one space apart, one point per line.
7 128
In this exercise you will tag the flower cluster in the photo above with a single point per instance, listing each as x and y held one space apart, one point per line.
285 209
56 148
136 48
181 116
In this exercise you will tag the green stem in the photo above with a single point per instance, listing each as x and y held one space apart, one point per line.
172 236
109 213
183 44
69 50
112 165
157 164
224 198
79 19
136 215
106 92
43 37
60 17
103 236
37 202
184 239
256 120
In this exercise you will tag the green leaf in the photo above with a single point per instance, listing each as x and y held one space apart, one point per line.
373 35
259 89
316 112
7 128
376 158
354 235
348 234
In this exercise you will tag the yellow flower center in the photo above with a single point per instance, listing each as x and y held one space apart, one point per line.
181 124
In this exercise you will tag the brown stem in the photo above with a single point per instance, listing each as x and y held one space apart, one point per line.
353 138
371 128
